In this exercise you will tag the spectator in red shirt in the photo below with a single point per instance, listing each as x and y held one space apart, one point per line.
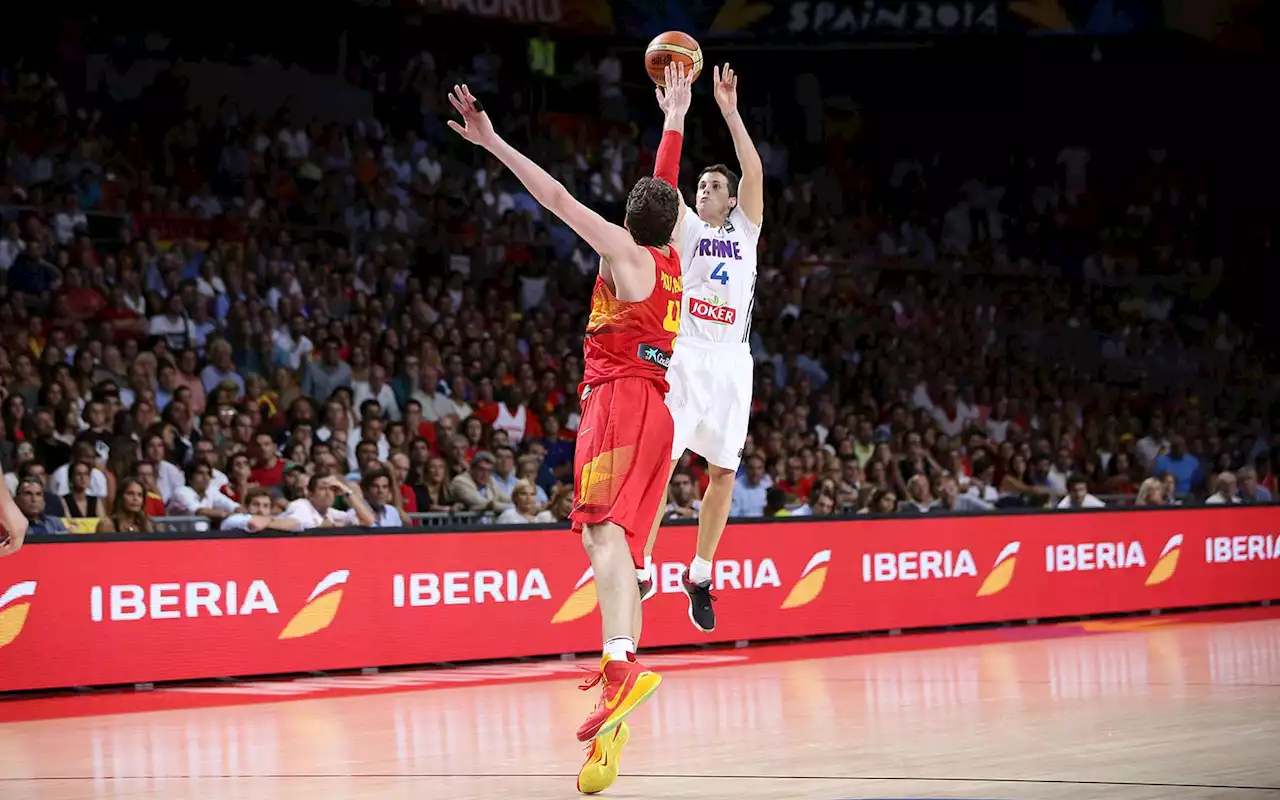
270 469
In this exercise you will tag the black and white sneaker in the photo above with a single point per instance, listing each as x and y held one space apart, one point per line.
648 588
701 614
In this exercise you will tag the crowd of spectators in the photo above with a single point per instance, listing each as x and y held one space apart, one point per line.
278 323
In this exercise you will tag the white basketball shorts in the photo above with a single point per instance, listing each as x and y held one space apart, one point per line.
710 400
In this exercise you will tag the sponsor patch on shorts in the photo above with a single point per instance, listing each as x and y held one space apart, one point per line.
654 354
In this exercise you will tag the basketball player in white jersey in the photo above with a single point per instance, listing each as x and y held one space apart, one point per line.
711 372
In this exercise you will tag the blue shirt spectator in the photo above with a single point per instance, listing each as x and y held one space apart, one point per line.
750 492
1184 467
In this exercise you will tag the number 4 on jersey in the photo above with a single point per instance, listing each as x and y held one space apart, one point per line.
719 274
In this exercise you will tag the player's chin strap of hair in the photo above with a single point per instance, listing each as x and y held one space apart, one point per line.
667 163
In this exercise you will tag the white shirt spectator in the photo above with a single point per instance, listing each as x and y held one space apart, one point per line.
298 350
60 485
513 517
385 396
169 478
65 224
179 334
186 502
1089 502
307 516
236 522
9 250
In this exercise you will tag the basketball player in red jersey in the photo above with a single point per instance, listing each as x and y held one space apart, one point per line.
625 435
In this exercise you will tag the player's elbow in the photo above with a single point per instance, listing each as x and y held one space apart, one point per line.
559 201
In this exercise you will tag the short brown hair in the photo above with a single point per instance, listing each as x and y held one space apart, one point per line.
652 209
257 491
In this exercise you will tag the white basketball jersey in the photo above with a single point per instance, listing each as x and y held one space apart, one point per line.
719 266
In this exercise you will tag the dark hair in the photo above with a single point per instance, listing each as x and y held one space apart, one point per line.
1075 479
652 209
730 176
366 480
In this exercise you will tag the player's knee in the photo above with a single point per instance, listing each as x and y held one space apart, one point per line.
721 478
596 538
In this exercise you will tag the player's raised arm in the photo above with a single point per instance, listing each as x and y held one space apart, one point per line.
612 242
673 99
751 184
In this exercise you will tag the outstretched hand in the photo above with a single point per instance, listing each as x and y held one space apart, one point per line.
725 86
476 127
674 98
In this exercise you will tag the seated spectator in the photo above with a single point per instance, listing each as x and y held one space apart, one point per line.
30 501
81 451
776 503
34 470
950 498
920 498
129 512
199 499
822 504
1250 490
476 488
883 501
434 490
381 497
750 492
530 468
257 515
683 501
1224 492
316 509
1184 467
1078 494
79 500
561 502
525 508
1151 493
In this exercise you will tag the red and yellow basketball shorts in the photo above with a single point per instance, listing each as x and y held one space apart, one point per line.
622 458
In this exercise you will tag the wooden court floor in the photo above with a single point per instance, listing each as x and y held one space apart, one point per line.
1151 711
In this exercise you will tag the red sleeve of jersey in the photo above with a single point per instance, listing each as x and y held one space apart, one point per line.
667 165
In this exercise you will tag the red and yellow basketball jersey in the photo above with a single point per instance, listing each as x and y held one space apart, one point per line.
634 340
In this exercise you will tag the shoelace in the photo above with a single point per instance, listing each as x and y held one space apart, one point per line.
593 681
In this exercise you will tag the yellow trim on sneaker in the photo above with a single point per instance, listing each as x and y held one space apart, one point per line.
601 768
646 683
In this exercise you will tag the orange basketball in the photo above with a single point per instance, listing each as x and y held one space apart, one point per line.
668 47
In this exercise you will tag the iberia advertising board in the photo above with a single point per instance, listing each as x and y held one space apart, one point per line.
85 613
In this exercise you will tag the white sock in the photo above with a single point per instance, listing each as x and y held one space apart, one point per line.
645 573
618 647
700 570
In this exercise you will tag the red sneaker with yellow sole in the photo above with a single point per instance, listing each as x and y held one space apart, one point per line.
624 685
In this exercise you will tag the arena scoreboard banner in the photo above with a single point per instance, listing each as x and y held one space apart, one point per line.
96 613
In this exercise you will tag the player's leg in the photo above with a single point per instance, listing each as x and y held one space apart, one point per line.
620 483
720 440
685 409
646 577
